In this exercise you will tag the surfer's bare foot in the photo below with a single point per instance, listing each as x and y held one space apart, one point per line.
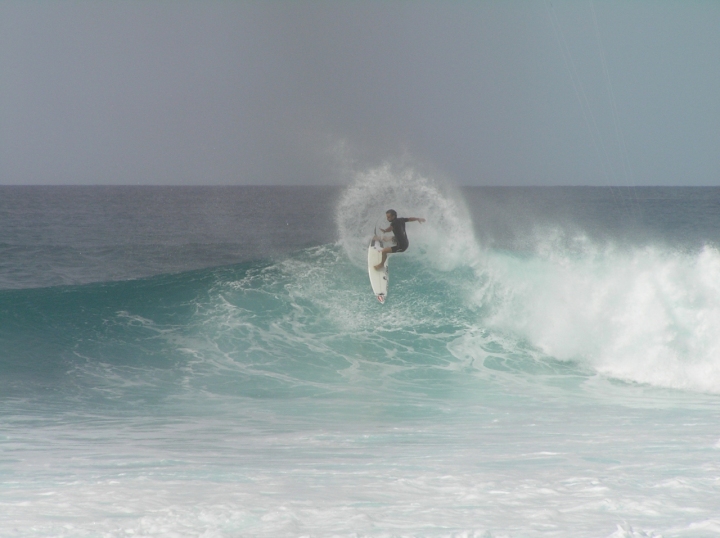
379 266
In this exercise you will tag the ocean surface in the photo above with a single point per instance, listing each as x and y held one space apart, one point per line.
211 362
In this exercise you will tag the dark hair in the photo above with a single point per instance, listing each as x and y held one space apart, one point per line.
392 212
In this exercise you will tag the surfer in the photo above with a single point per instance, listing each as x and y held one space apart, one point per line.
397 225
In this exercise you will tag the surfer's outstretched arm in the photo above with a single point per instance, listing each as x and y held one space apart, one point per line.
409 219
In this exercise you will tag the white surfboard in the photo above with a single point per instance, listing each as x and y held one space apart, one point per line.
378 279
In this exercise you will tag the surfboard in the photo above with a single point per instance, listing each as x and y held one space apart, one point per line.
378 279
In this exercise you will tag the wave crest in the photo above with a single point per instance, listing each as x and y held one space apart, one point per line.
647 315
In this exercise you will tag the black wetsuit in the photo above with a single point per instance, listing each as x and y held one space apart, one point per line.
398 228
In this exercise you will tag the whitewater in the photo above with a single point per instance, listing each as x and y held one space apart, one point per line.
211 361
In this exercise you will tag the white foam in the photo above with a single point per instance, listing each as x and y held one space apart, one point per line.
263 470
648 315
627 531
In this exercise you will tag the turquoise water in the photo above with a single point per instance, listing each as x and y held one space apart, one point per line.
546 365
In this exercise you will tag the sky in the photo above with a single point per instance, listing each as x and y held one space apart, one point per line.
174 92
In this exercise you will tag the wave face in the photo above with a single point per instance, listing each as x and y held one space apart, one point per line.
300 327
527 376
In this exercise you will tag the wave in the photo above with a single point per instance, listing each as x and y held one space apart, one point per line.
303 327
461 318
639 314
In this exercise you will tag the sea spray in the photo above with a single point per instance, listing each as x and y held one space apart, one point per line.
445 241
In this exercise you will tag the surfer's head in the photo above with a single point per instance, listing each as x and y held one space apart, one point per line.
391 214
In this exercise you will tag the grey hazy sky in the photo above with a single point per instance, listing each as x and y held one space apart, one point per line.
487 93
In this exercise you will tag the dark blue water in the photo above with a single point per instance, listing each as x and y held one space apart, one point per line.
74 235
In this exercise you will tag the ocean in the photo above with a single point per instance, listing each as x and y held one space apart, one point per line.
211 362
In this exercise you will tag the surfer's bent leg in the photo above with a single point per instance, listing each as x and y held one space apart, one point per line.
395 250
384 257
